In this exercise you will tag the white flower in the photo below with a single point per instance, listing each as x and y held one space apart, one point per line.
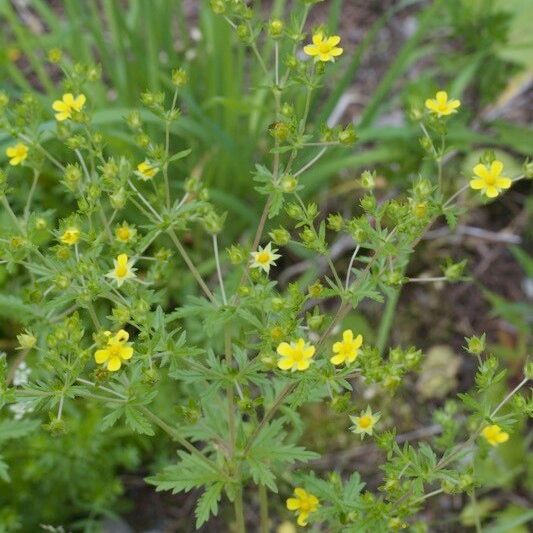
123 270
264 258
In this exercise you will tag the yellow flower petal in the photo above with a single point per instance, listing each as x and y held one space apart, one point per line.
293 504
503 183
302 519
309 352
126 353
334 40
491 191
477 184
68 98
114 364
358 342
481 171
285 363
347 335
496 168
311 50
318 38
101 356
337 359
442 97
302 365
284 349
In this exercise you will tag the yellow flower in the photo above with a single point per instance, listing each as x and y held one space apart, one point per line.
365 422
346 350
70 236
67 105
494 435
295 356
125 233
17 154
122 270
264 258
304 503
116 351
488 179
441 106
324 48
146 171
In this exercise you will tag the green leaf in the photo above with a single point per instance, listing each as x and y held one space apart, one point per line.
179 155
189 473
137 421
15 429
208 504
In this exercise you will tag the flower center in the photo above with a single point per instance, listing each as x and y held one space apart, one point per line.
263 257
324 48
121 270
365 422
124 234
490 179
305 505
297 355
114 349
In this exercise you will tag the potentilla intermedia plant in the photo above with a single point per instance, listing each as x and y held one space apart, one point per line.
226 371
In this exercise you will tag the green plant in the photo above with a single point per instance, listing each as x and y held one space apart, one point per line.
114 323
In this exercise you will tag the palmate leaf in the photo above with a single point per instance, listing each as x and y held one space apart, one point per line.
270 452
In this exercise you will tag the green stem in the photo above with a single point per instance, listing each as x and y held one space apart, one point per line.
387 319
27 207
239 512
190 264
182 441
263 509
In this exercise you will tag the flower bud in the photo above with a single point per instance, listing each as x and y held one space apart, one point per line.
275 28
278 303
41 223
294 211
218 6
475 345
454 271
316 289
368 179
348 135
179 77
288 183
118 199
27 340
280 131
280 236
335 222
243 32
236 254
368 203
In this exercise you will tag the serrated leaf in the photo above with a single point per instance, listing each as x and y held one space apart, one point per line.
208 504
189 473
137 421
